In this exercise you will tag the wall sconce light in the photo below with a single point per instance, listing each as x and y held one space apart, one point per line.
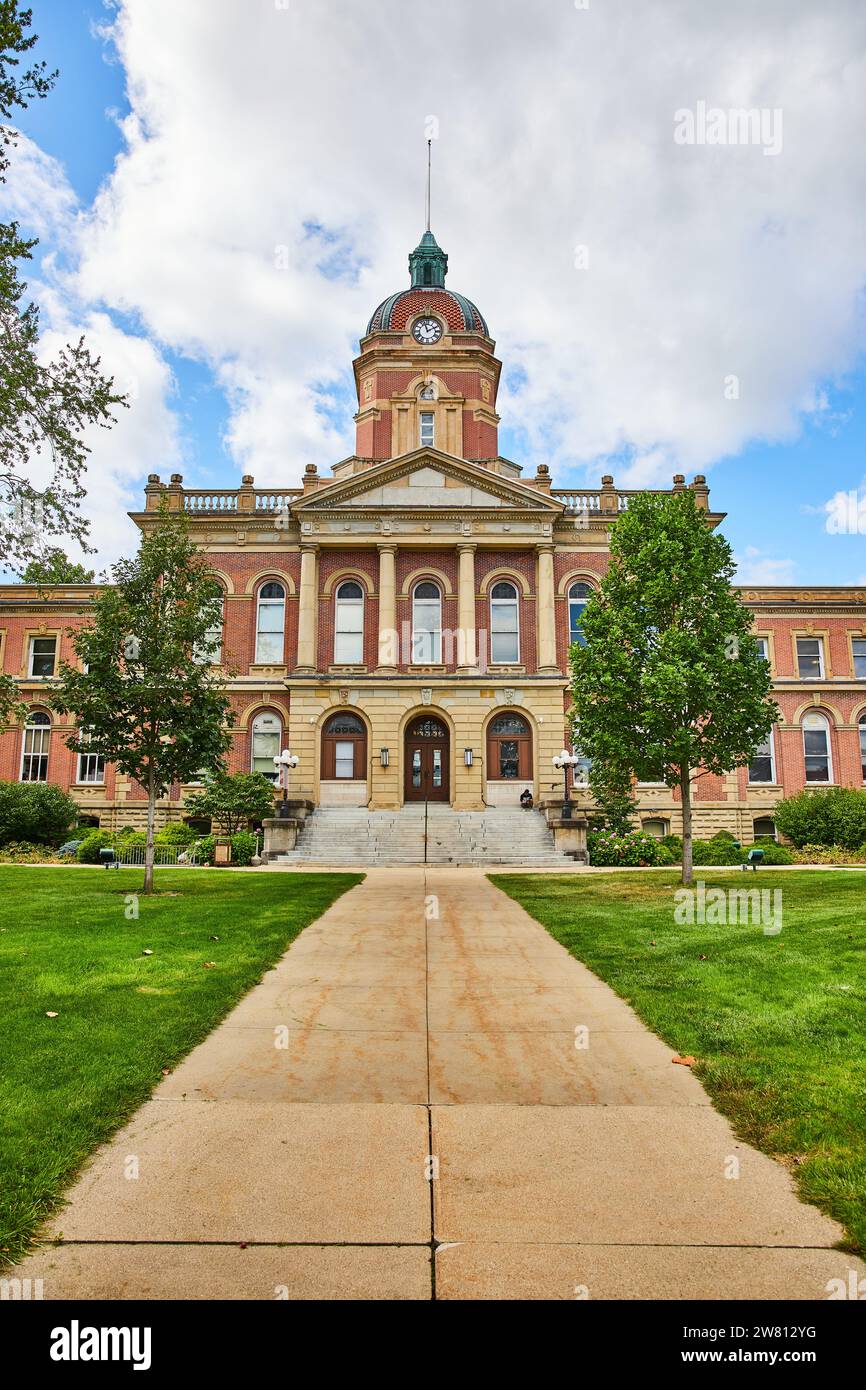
467 757
384 757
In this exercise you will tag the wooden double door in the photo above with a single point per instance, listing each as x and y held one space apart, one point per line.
425 761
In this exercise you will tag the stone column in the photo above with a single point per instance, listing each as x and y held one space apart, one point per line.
388 637
466 655
307 608
545 603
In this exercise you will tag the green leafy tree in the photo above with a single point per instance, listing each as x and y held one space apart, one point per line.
148 701
35 812
55 567
670 684
232 800
45 406
612 787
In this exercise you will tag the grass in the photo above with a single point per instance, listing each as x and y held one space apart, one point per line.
777 1023
67 946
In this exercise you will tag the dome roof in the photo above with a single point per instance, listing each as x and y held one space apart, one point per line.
428 265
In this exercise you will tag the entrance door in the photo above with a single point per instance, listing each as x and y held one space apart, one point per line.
426 761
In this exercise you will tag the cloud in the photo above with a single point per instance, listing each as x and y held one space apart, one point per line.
757 567
272 184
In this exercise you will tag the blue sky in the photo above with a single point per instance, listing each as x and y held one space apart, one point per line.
218 398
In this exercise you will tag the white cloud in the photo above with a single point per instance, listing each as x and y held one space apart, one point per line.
303 127
757 567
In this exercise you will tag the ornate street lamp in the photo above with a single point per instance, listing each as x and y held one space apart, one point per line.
564 761
284 762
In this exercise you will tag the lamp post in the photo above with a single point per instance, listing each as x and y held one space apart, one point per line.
564 761
284 762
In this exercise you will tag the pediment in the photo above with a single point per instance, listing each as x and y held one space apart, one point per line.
427 478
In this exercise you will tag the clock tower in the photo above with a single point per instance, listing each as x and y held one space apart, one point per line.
426 373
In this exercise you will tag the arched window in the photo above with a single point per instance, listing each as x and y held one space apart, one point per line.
344 748
34 749
349 624
426 624
657 828
764 828
504 624
267 737
270 623
863 745
578 597
209 651
816 748
762 768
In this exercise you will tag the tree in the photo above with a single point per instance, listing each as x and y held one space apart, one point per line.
55 567
232 800
45 407
147 700
612 787
670 683
35 812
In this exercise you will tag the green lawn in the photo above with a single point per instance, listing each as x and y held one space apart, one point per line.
66 946
777 1023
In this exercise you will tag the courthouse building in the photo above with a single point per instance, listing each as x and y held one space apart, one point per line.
403 625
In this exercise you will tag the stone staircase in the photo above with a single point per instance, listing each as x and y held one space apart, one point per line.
354 835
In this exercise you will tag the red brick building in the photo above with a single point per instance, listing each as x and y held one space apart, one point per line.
403 626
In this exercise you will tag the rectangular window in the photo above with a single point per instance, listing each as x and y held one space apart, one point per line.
43 654
91 768
858 646
349 637
817 755
504 646
761 767
344 759
763 647
208 652
810 658
427 427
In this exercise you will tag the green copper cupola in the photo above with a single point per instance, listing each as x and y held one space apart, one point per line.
428 263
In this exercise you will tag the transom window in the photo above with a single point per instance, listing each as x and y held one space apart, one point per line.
578 597
427 429
426 624
504 623
810 658
349 624
270 623
34 749
762 767
267 736
858 649
43 656
816 748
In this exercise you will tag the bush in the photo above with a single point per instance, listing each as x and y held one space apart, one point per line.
718 851
773 853
175 833
243 847
834 816
674 843
204 849
829 854
88 850
20 852
632 850
36 812
722 835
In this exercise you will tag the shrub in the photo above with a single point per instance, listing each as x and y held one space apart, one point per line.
718 851
176 833
829 854
37 812
632 850
88 850
675 844
243 847
204 849
721 835
828 817
19 852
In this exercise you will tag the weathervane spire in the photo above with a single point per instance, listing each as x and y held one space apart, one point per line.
429 155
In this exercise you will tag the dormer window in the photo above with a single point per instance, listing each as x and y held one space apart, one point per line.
426 430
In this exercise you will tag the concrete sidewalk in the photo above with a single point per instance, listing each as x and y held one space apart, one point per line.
426 1014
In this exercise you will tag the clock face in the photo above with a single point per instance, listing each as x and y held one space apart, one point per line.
426 331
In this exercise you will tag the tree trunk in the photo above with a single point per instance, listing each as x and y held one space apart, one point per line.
686 789
148 849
